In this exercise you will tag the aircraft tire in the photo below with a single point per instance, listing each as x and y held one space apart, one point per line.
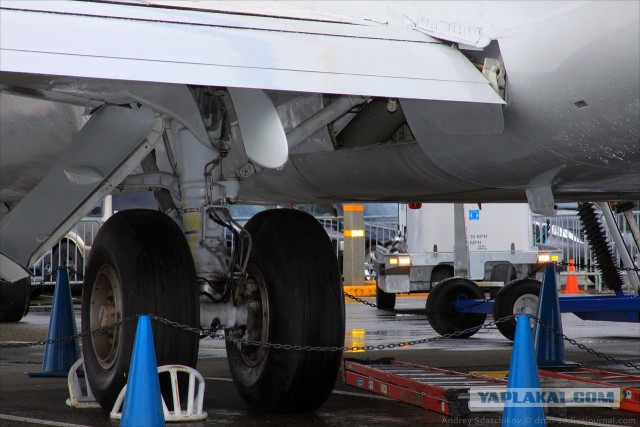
385 300
295 290
441 307
140 264
17 294
516 297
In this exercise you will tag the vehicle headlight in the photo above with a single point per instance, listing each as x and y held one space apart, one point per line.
544 258
400 260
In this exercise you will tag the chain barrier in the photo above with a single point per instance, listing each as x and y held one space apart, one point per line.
592 266
211 332
75 273
541 322
99 331
582 346
417 312
373 347
294 347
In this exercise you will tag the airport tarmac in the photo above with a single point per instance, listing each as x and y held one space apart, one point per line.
28 401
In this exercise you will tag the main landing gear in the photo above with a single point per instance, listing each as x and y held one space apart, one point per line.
275 280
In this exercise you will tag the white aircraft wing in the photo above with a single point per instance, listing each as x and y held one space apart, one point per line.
219 48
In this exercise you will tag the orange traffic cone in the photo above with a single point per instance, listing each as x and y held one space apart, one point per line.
572 281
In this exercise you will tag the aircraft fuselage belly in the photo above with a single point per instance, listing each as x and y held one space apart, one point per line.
571 122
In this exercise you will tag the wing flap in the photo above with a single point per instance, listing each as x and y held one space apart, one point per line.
127 42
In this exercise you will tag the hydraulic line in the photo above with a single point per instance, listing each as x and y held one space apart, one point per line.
597 238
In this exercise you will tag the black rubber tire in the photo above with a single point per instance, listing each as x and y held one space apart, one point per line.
151 261
443 315
441 272
294 255
18 294
385 300
504 272
503 305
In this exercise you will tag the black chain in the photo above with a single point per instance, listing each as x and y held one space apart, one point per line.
240 341
417 312
584 347
294 347
389 310
99 331
592 266
73 272
541 322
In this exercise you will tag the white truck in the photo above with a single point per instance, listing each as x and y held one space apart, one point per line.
492 246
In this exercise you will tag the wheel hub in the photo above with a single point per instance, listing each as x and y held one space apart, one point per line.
526 304
106 310
257 317
107 315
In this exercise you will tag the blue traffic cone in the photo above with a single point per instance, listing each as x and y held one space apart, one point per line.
143 401
549 345
523 379
59 356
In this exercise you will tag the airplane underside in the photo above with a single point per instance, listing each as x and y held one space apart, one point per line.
486 124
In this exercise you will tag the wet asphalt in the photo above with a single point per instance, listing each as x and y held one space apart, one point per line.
28 401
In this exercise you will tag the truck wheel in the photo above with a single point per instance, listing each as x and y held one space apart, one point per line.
385 300
18 295
443 315
516 297
140 264
293 296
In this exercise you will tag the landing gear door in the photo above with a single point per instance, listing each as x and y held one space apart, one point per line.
107 148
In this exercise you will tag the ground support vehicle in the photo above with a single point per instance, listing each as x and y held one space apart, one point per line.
611 308
498 238
458 304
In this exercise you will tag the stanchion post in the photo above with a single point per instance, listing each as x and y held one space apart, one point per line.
354 244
